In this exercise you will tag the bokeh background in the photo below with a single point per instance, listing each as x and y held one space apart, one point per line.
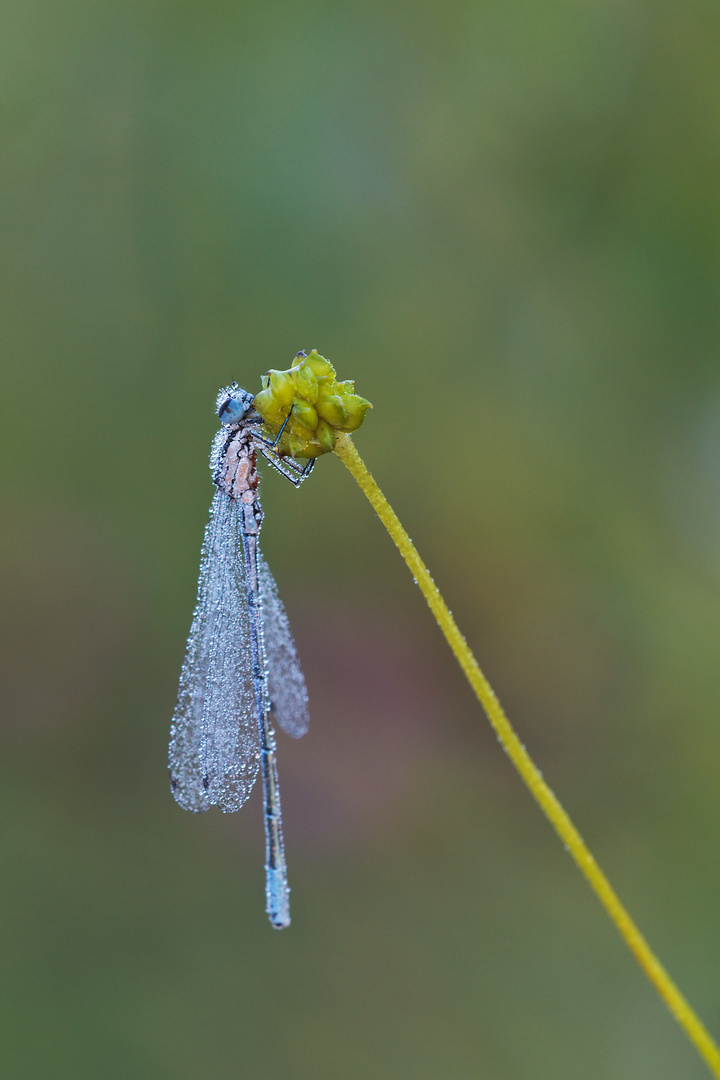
502 220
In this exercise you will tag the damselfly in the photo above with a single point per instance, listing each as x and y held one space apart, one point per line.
241 664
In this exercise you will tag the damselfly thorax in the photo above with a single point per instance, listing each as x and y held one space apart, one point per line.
236 472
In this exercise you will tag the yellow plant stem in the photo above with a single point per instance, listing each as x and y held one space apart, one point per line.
531 775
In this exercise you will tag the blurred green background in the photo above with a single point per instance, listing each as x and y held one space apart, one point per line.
503 221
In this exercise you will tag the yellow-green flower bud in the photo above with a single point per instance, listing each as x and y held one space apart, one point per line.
304 414
320 367
300 431
305 382
282 387
325 437
355 409
294 445
315 405
267 405
331 408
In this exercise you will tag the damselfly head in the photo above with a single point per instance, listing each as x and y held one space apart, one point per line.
233 403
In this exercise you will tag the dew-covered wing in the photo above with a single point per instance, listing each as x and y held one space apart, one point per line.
288 696
214 748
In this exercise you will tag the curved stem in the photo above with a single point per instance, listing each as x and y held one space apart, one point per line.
529 772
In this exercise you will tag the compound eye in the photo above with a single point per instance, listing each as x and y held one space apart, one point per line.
231 408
